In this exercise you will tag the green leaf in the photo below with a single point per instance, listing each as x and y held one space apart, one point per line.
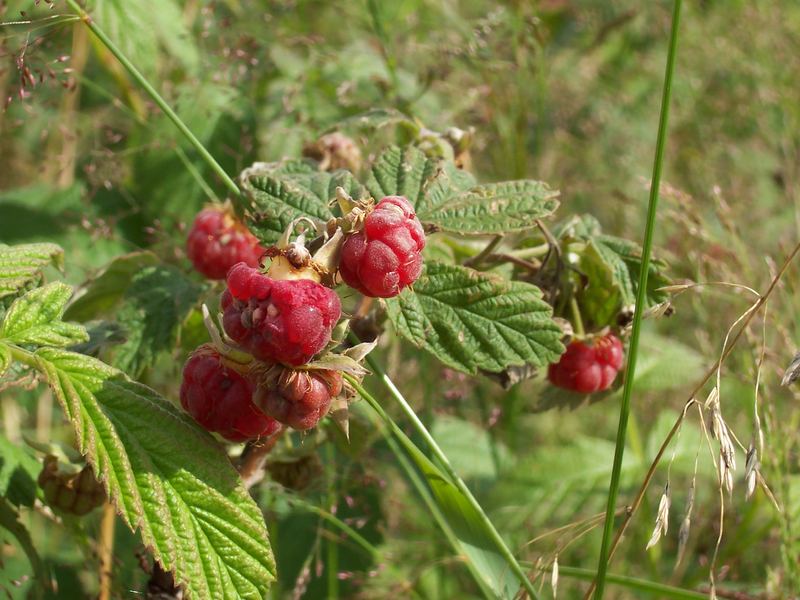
611 266
277 193
22 264
103 293
450 199
138 27
158 300
18 473
492 208
609 287
471 537
35 318
666 364
471 320
468 447
5 358
9 520
402 172
166 477
631 255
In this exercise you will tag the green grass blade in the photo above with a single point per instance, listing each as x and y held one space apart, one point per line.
640 303
651 588
151 91
467 519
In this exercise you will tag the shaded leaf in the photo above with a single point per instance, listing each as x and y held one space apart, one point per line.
158 300
18 472
471 320
9 521
167 478
104 292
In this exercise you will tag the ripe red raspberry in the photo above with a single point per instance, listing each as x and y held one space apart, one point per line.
588 368
386 255
300 398
217 241
275 320
221 400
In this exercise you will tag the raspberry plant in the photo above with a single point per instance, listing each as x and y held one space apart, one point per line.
489 279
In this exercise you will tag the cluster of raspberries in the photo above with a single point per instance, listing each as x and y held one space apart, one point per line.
284 323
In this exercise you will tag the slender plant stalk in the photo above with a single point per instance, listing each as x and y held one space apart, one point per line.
651 588
424 493
151 91
444 462
634 506
106 550
641 297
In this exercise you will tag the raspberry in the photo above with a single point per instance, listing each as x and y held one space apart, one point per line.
588 368
217 241
386 256
285 321
76 493
221 400
300 398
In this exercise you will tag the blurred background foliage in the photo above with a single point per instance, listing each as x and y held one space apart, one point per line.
565 91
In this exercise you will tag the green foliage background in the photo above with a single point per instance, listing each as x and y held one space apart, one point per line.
560 91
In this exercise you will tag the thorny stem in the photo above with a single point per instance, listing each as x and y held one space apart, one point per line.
641 298
151 91
637 501
444 462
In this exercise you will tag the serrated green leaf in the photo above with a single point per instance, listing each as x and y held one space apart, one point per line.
609 286
402 172
104 292
21 264
277 193
18 472
492 208
158 300
167 478
611 266
450 199
35 318
471 320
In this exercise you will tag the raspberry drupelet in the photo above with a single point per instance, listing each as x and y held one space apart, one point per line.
300 399
287 321
386 256
588 368
217 241
220 399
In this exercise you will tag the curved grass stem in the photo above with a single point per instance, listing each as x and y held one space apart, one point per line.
444 462
641 297
151 91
